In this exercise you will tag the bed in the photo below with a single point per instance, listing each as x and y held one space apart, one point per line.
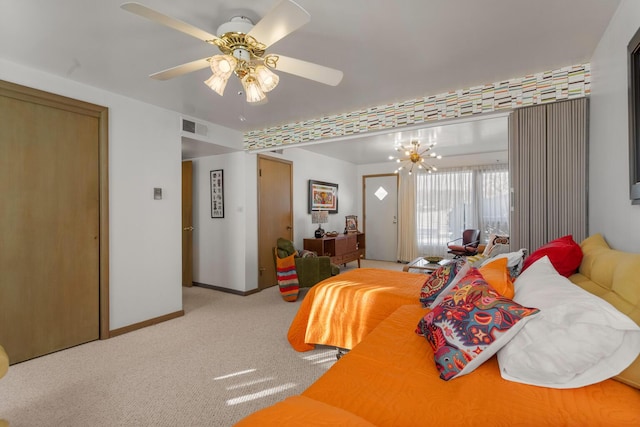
342 310
391 367
389 378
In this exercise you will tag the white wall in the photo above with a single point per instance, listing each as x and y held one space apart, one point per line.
610 210
144 234
225 249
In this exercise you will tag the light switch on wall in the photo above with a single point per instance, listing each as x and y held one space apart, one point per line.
157 193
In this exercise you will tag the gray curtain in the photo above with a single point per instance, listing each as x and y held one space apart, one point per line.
548 169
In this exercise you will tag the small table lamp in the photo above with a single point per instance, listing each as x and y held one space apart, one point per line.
319 217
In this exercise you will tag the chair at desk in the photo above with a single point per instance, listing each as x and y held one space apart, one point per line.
467 245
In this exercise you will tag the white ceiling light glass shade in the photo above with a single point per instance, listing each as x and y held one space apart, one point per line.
223 64
252 88
217 83
267 79
222 67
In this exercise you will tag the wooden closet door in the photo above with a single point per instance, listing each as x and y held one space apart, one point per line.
187 224
49 227
275 213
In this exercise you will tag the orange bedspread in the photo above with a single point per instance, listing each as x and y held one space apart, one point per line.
390 380
342 310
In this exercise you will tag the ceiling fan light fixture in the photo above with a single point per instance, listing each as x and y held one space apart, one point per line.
243 50
267 79
223 64
217 83
252 88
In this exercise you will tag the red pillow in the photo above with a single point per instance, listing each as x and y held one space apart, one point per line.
564 254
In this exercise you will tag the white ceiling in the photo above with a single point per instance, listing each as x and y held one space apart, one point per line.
388 51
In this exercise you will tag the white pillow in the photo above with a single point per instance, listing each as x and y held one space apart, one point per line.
576 340
513 258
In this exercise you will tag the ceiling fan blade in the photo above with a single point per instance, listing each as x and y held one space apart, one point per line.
286 17
181 69
309 70
168 21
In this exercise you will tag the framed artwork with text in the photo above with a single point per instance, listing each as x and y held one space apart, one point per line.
217 194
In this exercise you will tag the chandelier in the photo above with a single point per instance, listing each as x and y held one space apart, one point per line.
415 157
244 57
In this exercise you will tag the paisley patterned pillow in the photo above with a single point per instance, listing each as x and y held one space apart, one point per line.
438 281
470 324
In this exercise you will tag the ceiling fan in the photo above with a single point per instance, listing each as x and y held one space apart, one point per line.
243 48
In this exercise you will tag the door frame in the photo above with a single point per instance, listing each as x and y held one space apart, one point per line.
39 97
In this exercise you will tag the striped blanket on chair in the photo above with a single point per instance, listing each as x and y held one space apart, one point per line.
287 277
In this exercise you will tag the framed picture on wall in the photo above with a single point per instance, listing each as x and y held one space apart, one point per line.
323 196
217 194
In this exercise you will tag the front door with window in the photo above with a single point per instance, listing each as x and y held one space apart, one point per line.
381 216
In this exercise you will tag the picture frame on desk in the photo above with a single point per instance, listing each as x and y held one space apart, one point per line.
351 223
323 196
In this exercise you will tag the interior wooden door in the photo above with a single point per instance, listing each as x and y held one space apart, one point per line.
50 223
187 224
275 212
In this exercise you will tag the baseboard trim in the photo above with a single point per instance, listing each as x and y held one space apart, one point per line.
150 322
227 290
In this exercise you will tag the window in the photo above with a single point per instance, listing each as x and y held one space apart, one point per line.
451 201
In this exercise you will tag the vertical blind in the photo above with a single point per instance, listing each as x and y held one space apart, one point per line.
548 168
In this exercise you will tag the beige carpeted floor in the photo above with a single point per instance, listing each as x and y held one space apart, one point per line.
227 357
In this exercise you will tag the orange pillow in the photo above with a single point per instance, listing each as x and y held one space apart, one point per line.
496 274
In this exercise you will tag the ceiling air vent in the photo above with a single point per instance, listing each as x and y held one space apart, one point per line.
194 127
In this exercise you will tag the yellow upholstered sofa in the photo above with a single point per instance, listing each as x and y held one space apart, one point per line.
615 277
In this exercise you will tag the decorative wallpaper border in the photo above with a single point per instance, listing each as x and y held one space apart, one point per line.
549 86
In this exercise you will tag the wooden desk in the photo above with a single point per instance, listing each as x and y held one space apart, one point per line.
342 249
